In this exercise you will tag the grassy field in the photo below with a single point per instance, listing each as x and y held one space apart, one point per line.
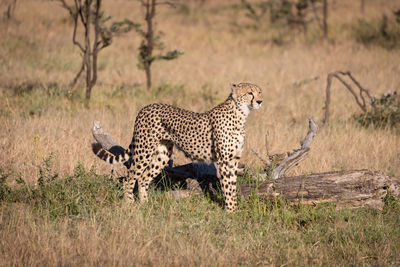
59 204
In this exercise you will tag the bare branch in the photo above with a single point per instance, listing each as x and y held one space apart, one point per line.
266 162
104 139
95 49
66 6
75 42
360 100
287 160
351 91
298 155
75 80
96 28
80 12
74 15
362 89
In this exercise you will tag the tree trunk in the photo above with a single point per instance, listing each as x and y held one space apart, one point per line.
325 17
88 50
150 6
148 76
88 91
362 6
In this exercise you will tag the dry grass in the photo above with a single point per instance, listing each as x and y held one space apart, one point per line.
37 50
192 232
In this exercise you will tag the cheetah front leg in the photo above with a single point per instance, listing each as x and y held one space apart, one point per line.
227 170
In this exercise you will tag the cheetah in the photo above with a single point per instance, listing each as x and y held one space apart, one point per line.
215 136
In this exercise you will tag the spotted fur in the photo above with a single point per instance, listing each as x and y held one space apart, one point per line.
213 136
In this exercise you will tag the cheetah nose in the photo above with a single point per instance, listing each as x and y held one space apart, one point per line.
259 102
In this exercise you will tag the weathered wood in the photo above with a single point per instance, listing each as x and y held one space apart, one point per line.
360 100
356 188
289 160
104 139
298 155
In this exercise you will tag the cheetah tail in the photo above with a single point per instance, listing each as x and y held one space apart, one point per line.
116 155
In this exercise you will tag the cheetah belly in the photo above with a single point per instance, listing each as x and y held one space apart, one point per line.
197 145
190 133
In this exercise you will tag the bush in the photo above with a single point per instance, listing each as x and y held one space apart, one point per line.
384 112
5 190
383 32
78 195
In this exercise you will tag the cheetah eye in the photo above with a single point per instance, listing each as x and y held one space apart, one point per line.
250 93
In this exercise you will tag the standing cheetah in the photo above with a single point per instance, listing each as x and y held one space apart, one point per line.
213 136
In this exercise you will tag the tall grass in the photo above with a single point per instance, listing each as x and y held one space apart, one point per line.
67 210
81 219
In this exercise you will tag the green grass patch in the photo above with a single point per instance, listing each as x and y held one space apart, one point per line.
261 232
76 195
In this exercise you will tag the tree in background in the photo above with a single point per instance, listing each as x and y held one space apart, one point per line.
324 23
152 40
10 6
96 36
289 13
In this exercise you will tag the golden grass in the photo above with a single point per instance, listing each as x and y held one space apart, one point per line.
214 57
38 49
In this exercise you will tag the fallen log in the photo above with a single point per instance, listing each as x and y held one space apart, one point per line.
351 189
355 188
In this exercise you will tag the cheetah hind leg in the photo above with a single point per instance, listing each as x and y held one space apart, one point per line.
159 160
129 185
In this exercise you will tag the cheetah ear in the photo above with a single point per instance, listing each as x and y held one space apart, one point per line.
234 90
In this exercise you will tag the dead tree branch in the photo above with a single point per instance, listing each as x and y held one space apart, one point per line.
292 159
266 162
104 139
298 155
360 100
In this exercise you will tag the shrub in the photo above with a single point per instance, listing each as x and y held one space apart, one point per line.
78 195
4 188
383 32
384 112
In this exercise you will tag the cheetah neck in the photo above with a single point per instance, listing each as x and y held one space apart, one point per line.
244 108
241 110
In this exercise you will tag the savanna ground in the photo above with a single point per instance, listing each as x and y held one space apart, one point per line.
59 204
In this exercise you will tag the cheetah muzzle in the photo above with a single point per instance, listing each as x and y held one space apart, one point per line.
213 136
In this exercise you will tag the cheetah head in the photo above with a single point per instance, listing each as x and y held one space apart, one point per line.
247 96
